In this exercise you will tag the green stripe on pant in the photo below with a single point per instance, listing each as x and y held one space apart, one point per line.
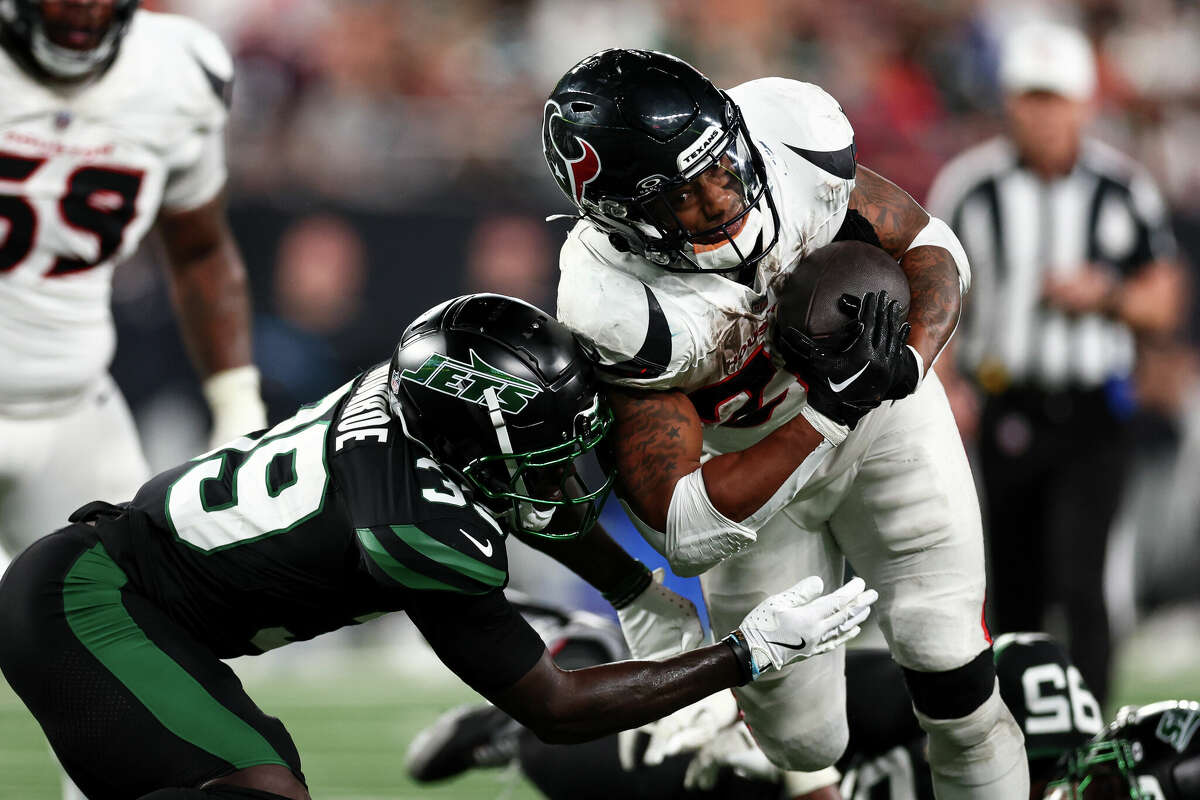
96 615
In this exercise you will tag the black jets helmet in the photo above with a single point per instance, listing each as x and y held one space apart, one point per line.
502 395
625 131
1150 752
41 48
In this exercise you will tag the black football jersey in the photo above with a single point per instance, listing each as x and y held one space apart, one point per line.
1043 690
327 519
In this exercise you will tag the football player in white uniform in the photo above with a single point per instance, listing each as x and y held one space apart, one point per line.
694 204
112 121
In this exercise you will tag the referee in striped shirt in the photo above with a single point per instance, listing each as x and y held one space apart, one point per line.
1072 264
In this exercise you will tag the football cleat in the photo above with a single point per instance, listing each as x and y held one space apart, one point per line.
464 738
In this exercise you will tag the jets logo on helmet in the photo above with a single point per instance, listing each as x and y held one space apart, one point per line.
471 382
1177 727
574 172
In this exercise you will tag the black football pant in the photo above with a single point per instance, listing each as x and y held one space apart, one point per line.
128 700
1053 466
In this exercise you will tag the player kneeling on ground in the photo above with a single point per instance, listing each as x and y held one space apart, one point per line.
394 492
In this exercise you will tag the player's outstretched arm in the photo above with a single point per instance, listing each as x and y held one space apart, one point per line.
209 290
931 265
562 706
658 439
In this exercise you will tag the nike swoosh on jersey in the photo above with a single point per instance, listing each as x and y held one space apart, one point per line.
836 162
793 645
221 87
654 356
838 387
487 551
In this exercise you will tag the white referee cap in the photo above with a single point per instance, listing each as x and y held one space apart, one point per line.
1046 56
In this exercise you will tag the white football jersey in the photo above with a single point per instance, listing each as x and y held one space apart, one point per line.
84 172
701 332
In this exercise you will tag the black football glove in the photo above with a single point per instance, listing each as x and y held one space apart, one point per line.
907 374
846 382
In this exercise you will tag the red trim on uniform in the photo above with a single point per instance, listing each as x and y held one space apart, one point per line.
983 621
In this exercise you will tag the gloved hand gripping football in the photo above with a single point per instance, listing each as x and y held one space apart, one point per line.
852 371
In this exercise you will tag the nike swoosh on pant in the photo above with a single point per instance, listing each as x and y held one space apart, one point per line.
487 551
837 387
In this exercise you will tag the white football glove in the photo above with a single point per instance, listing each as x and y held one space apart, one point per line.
732 747
800 623
658 623
685 731
689 728
236 405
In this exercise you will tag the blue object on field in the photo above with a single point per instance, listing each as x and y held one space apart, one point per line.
616 522
1122 401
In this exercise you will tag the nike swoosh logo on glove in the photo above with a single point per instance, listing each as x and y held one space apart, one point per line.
793 645
838 387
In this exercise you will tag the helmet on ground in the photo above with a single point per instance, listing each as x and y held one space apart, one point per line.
1149 752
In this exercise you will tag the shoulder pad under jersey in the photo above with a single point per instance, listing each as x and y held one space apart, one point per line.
633 333
801 117
189 62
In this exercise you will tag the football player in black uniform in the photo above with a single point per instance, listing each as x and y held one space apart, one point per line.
1150 752
394 492
885 759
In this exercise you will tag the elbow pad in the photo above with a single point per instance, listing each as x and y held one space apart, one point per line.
699 537
938 234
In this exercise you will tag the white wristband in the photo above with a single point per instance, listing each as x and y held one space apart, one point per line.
833 432
920 364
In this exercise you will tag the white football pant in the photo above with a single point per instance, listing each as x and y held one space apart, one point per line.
49 466
896 499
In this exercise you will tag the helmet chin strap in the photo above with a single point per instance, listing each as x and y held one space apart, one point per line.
530 517
734 251
65 63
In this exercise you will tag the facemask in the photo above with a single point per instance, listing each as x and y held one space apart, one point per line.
725 255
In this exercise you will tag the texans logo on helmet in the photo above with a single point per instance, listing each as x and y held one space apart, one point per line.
575 169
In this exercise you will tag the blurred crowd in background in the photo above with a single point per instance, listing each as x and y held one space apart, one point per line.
385 155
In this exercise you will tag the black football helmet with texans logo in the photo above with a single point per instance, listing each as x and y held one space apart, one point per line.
1150 752
48 49
623 129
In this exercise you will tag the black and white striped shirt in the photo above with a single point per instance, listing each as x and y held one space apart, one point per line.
1018 229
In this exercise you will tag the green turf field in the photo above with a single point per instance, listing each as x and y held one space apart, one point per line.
353 714
351 732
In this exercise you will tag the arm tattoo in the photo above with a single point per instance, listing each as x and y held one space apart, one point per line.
936 299
657 439
931 271
896 217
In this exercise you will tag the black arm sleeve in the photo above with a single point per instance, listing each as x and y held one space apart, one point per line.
481 638
856 228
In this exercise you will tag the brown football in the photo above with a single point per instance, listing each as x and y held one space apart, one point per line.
808 299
